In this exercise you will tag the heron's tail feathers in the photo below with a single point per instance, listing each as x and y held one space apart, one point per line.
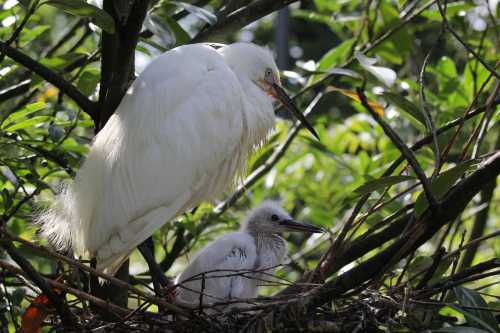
58 223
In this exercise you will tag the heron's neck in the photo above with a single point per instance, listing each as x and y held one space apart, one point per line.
265 239
259 113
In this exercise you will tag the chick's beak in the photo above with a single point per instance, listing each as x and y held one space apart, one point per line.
277 92
304 227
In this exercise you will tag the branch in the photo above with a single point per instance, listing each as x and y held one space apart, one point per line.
403 148
459 277
118 56
367 242
52 77
31 273
15 90
464 44
239 19
74 263
452 205
479 224
78 293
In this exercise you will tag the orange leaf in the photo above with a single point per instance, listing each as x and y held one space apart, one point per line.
48 93
35 314
379 109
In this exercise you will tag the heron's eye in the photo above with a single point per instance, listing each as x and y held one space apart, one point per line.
269 72
274 218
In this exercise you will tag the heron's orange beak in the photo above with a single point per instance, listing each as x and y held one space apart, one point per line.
274 89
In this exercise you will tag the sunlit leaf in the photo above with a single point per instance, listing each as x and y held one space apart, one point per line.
29 35
23 113
200 12
379 109
27 123
383 74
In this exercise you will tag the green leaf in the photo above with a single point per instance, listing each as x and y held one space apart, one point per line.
27 110
88 81
61 61
333 58
381 183
478 318
405 105
475 72
442 184
30 34
336 56
83 9
27 123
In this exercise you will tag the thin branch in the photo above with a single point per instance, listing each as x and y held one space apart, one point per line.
459 277
403 148
453 204
78 293
426 113
31 273
464 44
74 263
449 208
240 18
64 86
333 261
30 11
15 90
479 224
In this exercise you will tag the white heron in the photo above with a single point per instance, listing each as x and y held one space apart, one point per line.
180 136
233 266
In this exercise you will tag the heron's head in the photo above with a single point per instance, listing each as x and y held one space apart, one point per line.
272 219
257 64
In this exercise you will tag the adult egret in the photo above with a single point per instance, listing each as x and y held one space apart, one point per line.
180 135
233 265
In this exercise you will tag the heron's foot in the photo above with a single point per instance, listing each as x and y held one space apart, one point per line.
163 286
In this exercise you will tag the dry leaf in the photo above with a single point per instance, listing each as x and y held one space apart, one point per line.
379 109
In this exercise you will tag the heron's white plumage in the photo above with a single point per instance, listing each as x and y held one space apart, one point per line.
180 135
235 264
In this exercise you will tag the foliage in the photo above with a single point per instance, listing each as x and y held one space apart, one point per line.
434 81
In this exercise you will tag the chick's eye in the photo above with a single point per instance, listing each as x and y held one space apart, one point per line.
274 218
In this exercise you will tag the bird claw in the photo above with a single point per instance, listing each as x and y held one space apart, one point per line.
164 287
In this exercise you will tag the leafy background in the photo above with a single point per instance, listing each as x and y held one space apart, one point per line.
44 135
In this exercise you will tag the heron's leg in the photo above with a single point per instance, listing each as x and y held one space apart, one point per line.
160 281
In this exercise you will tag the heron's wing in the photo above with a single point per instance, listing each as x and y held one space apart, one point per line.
226 266
172 143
